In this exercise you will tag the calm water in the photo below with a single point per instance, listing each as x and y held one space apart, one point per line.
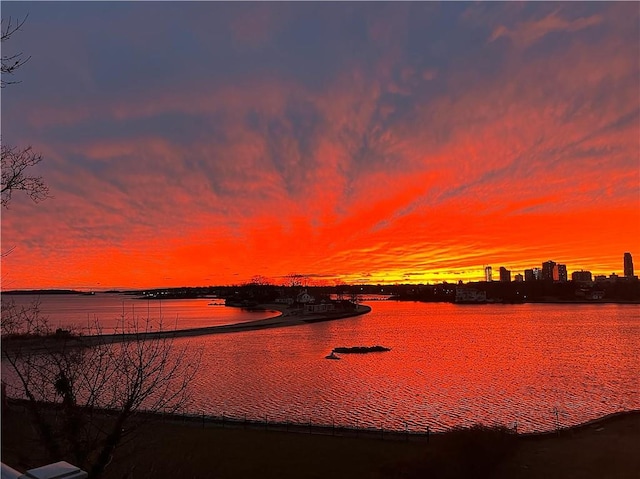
449 365
80 311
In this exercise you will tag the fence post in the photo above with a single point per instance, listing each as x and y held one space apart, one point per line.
265 422
333 427
428 431
202 419
4 394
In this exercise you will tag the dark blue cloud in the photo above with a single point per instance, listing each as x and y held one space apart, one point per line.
93 55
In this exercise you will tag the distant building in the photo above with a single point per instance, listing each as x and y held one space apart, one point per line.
505 275
321 307
547 270
590 294
562 273
600 277
519 278
488 274
581 276
533 274
470 295
595 295
628 265
304 297
288 301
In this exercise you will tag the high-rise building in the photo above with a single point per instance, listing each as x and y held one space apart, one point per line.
505 275
519 278
548 269
533 274
581 276
628 265
537 274
488 274
562 273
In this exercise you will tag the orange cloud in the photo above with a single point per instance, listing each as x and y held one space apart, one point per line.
390 170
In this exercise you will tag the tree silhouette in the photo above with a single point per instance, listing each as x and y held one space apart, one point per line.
82 391
10 63
85 394
17 162
16 165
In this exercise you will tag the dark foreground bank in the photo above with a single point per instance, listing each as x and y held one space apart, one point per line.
175 448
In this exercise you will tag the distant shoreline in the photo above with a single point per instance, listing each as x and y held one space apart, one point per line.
533 301
54 292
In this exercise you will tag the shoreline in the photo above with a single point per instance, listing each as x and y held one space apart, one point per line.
285 318
229 450
200 420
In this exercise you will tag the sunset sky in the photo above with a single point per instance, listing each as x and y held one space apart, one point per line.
205 143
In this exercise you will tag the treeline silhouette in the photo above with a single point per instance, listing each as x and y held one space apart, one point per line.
508 292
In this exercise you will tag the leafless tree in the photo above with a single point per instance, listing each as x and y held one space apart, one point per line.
16 174
87 393
259 280
10 63
18 162
297 280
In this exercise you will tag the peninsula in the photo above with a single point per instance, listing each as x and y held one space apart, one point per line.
283 317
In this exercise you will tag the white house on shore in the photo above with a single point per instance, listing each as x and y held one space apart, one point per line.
304 297
321 307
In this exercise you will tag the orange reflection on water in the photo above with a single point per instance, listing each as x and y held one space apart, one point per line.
449 365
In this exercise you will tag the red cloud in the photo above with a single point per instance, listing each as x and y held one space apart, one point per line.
536 160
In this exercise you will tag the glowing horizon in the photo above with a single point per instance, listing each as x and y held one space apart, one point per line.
358 143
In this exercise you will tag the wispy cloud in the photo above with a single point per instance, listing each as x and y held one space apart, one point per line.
528 32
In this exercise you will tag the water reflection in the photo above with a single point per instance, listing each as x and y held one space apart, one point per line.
82 312
531 364
449 365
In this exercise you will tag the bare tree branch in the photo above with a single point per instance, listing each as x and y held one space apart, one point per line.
10 63
16 174
143 373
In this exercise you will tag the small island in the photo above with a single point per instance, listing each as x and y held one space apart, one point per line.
360 349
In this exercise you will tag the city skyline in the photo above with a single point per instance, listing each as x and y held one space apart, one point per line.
555 274
370 143
552 270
